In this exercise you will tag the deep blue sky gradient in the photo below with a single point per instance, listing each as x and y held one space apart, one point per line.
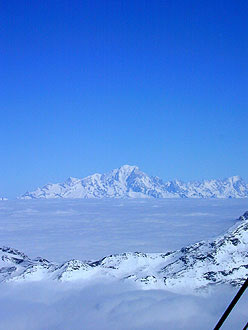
87 86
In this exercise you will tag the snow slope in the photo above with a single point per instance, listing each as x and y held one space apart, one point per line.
223 260
129 182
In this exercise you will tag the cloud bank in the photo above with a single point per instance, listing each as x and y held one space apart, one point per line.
113 306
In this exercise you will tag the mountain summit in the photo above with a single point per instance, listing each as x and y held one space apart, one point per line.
130 182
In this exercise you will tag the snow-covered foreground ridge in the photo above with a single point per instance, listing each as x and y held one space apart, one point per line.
129 182
224 260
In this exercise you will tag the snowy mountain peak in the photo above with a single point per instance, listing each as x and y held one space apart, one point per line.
71 180
128 168
244 216
130 182
235 178
123 172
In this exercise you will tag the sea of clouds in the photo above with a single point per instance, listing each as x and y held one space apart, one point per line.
114 305
88 230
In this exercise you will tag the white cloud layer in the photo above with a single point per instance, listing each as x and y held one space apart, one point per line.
84 229
113 306
60 230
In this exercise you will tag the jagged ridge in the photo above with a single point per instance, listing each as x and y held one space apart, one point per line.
130 182
224 260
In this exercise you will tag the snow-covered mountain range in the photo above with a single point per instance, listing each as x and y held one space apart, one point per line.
129 182
195 267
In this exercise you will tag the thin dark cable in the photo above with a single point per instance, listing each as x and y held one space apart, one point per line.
232 304
246 327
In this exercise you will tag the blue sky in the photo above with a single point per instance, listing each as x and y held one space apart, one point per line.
87 86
